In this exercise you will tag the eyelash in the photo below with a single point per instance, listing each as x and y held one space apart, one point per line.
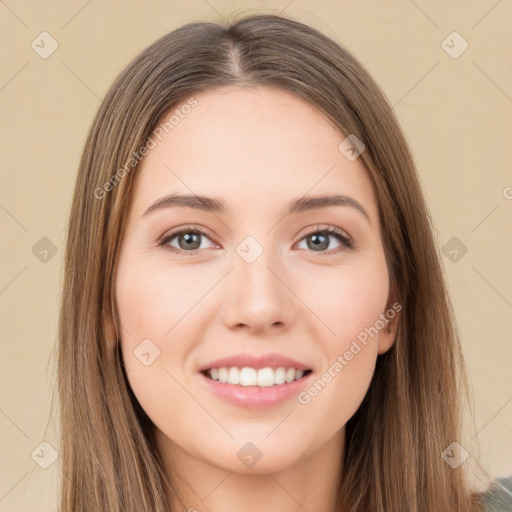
346 242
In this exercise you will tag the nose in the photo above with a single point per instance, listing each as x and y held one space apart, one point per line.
258 297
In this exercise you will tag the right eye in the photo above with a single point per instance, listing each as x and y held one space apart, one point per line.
188 240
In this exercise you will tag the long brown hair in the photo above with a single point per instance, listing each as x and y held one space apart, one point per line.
411 412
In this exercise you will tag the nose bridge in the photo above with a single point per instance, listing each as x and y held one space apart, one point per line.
257 295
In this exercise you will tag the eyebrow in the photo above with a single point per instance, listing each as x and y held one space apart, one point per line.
210 204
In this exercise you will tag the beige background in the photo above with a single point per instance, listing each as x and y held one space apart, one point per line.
456 113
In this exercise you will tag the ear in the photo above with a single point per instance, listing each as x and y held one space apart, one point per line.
109 329
390 318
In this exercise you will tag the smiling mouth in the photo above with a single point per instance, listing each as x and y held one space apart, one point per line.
264 377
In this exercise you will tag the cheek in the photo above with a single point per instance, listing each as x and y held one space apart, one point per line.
336 392
346 301
159 308
154 305
349 304
152 299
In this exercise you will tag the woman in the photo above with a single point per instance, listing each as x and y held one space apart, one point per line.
254 313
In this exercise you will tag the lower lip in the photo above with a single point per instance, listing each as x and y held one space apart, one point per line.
256 397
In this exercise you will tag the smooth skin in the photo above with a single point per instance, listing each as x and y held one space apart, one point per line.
256 149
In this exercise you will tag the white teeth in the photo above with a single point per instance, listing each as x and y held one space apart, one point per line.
290 374
248 377
264 377
234 375
280 376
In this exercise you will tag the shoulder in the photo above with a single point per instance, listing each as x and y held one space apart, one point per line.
498 497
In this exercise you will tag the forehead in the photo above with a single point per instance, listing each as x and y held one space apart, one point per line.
249 146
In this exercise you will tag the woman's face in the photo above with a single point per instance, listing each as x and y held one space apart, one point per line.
262 279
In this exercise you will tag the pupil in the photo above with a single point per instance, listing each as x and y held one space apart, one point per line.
192 238
321 241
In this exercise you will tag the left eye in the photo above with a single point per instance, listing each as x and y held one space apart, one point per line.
319 241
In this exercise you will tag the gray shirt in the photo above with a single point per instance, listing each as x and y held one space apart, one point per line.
498 497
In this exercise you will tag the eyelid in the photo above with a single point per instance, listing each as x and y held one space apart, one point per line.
326 227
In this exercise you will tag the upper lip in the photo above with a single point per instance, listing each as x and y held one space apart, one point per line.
248 360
